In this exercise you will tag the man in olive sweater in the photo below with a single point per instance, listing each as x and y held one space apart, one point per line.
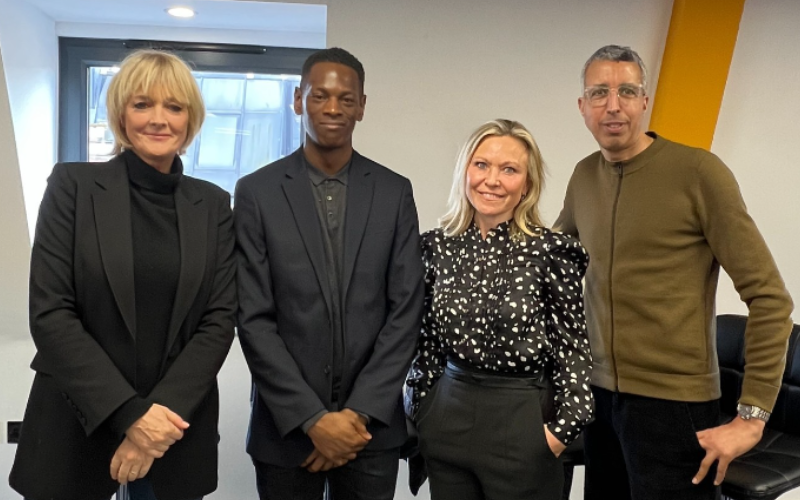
658 219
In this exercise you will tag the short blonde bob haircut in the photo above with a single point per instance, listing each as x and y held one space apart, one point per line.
154 73
460 212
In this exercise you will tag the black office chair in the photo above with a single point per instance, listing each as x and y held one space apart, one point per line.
773 467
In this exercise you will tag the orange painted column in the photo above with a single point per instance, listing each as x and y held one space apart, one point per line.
694 70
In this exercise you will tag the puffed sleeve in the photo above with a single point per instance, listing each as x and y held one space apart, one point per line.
429 359
566 331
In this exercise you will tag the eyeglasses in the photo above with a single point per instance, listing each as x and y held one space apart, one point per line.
598 96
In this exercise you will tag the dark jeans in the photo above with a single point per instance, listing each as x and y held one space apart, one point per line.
371 476
645 448
487 443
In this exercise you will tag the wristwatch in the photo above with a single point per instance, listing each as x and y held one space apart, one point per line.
749 411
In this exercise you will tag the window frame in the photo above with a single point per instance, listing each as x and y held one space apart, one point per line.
76 55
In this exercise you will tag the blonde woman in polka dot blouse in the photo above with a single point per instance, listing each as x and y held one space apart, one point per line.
500 383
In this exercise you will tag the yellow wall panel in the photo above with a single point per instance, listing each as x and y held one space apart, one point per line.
700 42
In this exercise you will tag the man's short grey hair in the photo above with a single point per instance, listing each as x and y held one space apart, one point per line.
615 53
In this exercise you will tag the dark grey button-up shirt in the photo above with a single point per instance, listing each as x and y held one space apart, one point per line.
330 194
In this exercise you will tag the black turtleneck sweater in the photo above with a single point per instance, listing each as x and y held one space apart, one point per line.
156 268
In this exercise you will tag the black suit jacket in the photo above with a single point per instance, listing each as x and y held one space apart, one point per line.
83 322
284 303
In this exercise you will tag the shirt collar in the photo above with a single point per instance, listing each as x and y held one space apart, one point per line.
499 232
638 161
318 177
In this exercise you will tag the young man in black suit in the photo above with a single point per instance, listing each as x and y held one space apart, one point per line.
330 290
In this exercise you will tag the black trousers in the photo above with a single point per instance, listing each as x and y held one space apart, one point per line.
487 443
645 448
371 476
141 489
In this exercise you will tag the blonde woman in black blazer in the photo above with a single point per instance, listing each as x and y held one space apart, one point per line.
132 301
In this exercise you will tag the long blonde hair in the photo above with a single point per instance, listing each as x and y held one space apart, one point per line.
460 211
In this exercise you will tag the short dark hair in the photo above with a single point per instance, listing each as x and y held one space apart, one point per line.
334 55
615 53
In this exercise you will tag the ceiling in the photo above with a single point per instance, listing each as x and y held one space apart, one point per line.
221 14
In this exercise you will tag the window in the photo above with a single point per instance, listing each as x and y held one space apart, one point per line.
248 93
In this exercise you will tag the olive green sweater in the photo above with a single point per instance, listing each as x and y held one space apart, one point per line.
657 228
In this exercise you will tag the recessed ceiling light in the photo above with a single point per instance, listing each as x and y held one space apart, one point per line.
180 12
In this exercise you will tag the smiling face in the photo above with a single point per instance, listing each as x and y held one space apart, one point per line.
156 126
497 178
330 102
617 124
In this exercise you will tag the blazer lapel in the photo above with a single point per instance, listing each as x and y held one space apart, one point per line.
192 212
112 214
359 203
301 200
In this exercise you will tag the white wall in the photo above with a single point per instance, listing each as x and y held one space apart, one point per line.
757 127
14 270
437 70
30 52
27 141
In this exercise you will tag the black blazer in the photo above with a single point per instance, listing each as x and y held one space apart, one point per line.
82 319
284 314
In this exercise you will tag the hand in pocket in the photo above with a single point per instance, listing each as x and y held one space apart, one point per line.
556 446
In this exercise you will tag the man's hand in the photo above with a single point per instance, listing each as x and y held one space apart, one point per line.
317 462
339 435
556 446
157 430
129 463
726 442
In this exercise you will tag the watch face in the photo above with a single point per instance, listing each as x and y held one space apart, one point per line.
749 411
745 411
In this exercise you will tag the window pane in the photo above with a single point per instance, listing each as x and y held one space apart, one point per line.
218 142
263 95
101 140
188 158
222 93
261 141
296 133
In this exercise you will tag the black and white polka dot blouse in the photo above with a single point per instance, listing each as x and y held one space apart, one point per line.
511 306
